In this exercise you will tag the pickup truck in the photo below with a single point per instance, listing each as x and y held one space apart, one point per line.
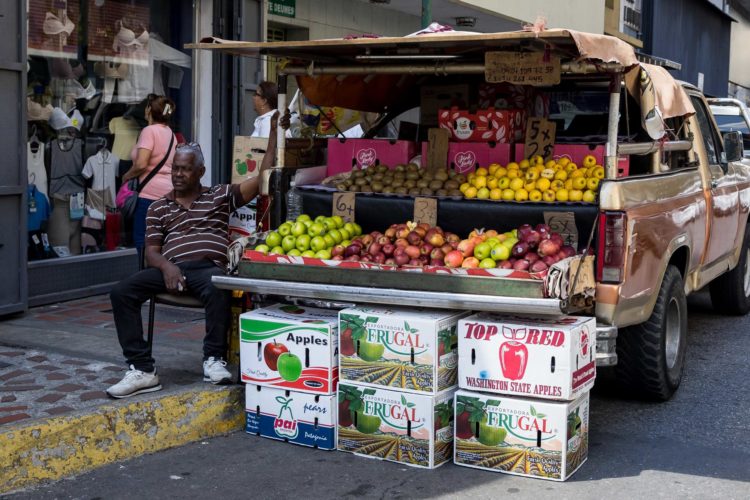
732 114
674 225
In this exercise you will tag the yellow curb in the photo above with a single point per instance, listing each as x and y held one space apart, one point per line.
61 446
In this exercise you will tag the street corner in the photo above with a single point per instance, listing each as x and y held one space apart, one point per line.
47 449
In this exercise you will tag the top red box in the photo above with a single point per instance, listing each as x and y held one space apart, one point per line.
486 125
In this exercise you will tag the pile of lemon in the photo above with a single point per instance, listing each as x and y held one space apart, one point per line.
534 180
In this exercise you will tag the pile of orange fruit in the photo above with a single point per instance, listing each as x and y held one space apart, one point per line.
535 180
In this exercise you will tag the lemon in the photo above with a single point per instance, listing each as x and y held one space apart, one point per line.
543 184
496 194
522 195
561 195
509 194
516 184
575 195
471 192
483 193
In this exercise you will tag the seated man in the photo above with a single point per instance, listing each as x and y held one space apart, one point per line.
186 244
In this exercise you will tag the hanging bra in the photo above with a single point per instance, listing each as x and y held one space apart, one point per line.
127 37
53 26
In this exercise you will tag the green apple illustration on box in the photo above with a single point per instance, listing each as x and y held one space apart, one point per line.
351 410
574 423
354 338
490 435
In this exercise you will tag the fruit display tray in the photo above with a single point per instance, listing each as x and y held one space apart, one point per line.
476 281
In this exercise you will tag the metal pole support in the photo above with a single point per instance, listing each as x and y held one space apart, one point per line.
615 88
280 132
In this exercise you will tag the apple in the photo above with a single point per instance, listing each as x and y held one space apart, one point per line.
437 253
556 237
352 249
346 343
414 238
390 233
466 247
437 262
367 424
383 240
487 263
390 261
446 248
523 231
421 231
374 248
316 229
519 249
538 267
533 238
308 253
500 252
366 240
338 250
294 252
451 238
463 426
401 259
454 258
379 258
262 249
532 257
273 239
401 242
505 264
345 415
425 249
550 260
366 258
290 367
285 229
402 231
548 247
521 265
568 250
434 237
490 435
303 241
370 351
324 254
412 251
271 353
336 235
299 228
318 243
388 249
337 257
482 251
470 263
352 258
414 262
543 229
288 242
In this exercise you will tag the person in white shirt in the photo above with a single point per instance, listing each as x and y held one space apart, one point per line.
265 102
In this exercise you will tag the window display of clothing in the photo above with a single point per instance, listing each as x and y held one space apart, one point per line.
126 132
38 210
64 231
66 167
101 168
35 166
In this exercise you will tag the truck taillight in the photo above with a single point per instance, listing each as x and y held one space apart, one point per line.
611 248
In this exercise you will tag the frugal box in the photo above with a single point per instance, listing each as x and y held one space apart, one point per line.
412 350
522 436
293 416
290 347
413 429
540 358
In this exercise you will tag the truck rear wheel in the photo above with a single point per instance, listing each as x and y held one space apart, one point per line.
651 355
730 292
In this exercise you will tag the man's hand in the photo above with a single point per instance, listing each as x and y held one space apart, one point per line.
286 120
173 278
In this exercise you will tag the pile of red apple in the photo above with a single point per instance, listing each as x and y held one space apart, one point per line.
528 248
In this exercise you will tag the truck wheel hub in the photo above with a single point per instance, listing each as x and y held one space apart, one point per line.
672 330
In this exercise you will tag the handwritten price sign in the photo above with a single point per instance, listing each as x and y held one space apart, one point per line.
343 205
540 138
425 210
521 68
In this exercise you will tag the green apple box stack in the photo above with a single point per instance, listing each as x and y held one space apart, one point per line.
289 361
523 403
398 371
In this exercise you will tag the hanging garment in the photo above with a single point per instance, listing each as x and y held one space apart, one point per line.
38 209
35 166
66 166
102 169
54 26
126 133
136 73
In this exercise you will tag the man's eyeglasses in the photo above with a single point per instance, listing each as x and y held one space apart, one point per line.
258 94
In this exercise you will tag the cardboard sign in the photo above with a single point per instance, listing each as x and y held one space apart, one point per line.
425 210
437 148
540 138
343 206
563 223
247 156
521 68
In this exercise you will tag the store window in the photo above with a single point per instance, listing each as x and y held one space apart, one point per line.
92 64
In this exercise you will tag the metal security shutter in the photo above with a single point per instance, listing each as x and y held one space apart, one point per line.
13 178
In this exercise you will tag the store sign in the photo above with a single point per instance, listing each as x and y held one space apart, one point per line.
286 8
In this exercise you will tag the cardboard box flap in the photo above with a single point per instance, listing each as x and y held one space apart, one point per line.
298 314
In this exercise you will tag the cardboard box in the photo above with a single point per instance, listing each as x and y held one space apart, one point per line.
242 221
247 155
412 429
406 349
436 97
465 157
551 358
577 152
486 125
293 416
521 436
345 154
290 347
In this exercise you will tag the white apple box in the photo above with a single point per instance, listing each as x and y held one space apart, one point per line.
551 358
412 350
276 341
521 436
291 416
412 429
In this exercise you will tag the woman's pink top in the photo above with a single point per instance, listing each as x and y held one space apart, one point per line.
155 138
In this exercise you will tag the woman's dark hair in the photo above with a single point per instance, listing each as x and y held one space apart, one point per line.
270 93
162 108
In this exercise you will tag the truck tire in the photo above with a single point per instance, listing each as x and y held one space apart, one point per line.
651 355
730 292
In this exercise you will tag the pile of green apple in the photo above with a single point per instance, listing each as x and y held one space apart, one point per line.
307 237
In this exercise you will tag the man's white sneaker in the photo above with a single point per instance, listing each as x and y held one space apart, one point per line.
215 371
135 382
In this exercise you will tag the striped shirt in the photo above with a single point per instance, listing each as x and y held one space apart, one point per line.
195 233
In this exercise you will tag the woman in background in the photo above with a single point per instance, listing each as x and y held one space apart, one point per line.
152 146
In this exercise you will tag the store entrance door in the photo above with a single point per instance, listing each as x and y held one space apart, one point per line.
13 289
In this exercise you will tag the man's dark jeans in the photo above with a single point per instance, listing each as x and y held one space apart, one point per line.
129 295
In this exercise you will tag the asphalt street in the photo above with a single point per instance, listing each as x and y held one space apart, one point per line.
695 446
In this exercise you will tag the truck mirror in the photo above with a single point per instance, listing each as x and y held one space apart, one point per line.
733 146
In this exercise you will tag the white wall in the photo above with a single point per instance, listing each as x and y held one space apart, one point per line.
337 18
739 63
581 15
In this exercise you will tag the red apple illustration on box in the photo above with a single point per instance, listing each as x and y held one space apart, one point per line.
245 167
513 358
271 354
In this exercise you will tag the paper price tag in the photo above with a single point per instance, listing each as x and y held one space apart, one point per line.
425 210
540 138
563 223
521 68
343 206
